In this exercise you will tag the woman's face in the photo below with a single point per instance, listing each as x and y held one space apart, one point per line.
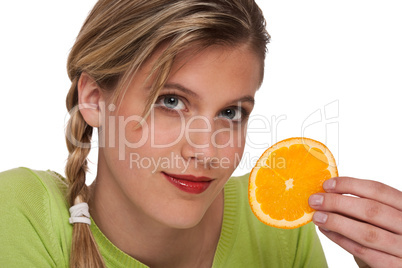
173 167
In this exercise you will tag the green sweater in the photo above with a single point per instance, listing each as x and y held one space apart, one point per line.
35 231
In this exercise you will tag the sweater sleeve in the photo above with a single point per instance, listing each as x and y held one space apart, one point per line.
27 234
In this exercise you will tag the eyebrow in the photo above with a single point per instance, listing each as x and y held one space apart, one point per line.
181 88
247 98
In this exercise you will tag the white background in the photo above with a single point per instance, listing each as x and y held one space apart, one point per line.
342 55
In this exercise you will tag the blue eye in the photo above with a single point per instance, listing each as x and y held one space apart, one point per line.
234 114
171 102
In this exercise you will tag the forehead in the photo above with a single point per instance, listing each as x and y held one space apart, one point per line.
217 71
219 68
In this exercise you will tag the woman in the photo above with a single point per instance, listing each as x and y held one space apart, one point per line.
169 85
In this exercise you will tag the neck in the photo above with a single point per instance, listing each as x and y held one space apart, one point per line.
151 242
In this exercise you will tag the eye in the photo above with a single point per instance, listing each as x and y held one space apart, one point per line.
233 113
171 102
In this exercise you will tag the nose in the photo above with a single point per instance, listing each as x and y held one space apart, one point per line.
198 143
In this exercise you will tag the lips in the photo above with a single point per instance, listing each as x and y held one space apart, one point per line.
189 183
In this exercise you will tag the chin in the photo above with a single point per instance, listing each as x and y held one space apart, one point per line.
184 218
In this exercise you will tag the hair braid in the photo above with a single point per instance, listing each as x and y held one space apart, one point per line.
84 251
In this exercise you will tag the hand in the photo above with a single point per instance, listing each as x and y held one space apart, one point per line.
367 224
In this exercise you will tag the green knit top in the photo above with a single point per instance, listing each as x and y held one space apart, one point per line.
35 231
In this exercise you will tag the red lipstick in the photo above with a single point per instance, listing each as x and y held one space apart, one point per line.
188 183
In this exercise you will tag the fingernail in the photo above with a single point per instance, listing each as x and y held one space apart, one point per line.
320 217
316 200
329 184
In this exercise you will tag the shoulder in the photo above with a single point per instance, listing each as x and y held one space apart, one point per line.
25 190
19 179
24 185
33 210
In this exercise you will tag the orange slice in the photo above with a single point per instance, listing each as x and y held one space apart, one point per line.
283 179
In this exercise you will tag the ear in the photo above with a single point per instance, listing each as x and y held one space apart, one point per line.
90 100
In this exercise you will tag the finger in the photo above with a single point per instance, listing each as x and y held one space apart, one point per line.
373 258
361 263
367 210
362 233
365 188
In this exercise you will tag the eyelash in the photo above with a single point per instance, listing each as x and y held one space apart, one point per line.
244 112
171 95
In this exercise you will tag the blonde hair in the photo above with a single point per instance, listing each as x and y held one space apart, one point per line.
116 39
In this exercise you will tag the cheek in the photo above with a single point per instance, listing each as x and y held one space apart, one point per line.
229 160
229 136
122 135
231 146
128 129
128 136
132 132
123 126
165 131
